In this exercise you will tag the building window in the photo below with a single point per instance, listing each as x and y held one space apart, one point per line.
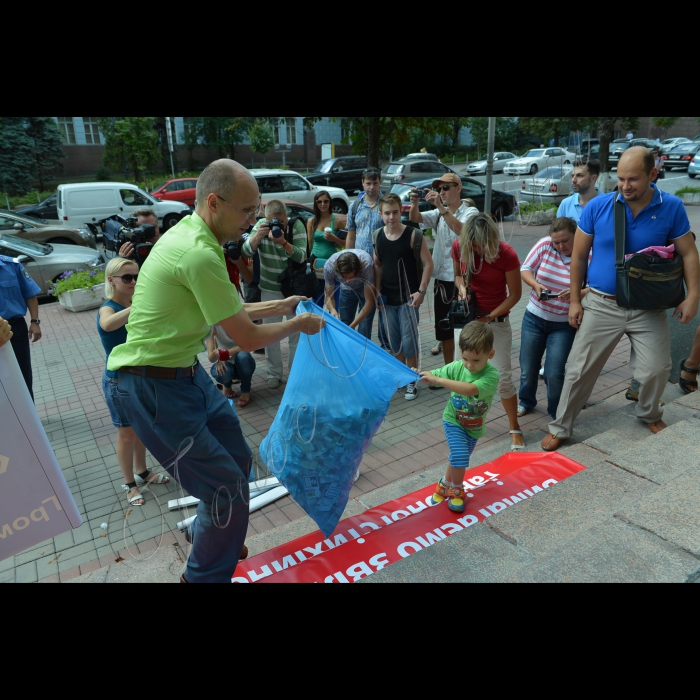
92 133
65 124
286 127
344 131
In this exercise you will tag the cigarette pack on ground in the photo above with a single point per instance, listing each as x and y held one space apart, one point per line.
336 399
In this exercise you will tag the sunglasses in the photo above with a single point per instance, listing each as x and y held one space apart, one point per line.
323 201
444 188
371 172
127 279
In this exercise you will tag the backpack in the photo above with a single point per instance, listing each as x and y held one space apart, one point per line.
417 247
295 280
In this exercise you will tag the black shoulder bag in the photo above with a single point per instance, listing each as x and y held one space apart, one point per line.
299 279
645 281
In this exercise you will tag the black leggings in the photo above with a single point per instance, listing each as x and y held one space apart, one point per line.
20 344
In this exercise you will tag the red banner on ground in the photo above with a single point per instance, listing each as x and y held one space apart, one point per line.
367 543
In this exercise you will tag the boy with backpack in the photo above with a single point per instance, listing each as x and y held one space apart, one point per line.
399 254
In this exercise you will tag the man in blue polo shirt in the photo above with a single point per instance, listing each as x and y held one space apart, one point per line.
18 292
654 218
583 182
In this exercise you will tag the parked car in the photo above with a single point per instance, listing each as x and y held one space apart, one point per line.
345 172
617 148
551 186
590 147
502 204
681 156
645 143
539 159
669 144
182 190
90 202
417 156
46 263
38 231
694 167
500 160
410 170
44 210
288 185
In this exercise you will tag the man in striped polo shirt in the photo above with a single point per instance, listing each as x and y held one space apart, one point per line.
274 254
546 321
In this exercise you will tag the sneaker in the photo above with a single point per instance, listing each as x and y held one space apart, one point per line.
441 493
274 383
456 497
411 392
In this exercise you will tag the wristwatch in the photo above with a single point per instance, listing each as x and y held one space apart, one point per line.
420 291
37 321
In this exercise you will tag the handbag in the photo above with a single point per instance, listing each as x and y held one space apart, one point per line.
645 282
299 279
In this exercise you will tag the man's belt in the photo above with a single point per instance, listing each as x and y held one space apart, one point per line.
162 372
603 296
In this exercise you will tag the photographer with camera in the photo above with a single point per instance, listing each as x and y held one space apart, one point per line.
547 270
144 217
446 221
238 267
269 241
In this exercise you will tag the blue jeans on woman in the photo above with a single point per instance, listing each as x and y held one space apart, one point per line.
537 336
241 367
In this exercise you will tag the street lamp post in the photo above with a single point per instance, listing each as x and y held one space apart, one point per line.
170 144
489 164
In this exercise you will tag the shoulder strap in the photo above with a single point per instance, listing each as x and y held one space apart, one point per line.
620 232
375 236
355 207
417 247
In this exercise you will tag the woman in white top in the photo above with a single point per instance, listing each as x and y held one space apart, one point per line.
546 322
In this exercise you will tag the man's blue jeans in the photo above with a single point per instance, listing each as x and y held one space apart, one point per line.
242 367
351 304
537 336
191 429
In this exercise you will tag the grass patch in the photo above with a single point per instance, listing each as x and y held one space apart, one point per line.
532 207
688 190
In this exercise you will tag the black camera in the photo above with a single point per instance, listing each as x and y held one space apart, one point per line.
421 193
547 295
233 250
118 230
277 228
461 314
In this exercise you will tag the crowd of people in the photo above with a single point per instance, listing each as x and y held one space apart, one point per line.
368 264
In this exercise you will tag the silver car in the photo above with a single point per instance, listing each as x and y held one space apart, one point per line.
552 186
500 160
46 263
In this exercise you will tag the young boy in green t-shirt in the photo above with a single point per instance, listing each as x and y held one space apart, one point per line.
473 382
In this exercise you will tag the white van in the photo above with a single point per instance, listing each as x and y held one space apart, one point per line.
91 202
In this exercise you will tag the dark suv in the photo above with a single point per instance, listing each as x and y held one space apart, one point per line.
345 172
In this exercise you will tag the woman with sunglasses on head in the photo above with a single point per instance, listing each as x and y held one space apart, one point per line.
120 283
324 243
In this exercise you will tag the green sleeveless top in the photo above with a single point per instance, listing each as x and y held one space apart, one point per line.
324 249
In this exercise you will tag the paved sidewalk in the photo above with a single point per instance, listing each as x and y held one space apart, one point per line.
68 364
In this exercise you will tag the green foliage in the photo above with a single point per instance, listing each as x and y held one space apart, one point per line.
29 147
665 122
688 190
77 279
261 136
103 174
130 142
525 208
221 134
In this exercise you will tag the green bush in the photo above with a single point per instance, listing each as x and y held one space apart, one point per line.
688 190
103 174
532 207
77 279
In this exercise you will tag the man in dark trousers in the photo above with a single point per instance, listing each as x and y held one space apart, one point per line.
18 292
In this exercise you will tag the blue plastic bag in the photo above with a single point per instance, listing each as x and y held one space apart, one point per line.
336 399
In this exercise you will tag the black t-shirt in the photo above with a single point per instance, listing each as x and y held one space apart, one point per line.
399 272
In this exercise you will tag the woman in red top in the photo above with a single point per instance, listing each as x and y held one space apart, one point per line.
491 268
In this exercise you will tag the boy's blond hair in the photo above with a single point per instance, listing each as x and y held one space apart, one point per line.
476 337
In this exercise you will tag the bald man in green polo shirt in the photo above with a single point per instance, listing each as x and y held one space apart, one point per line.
175 409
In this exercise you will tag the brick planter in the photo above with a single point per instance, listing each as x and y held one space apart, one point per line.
83 299
691 199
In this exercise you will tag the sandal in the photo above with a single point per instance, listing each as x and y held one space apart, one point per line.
437 349
688 387
132 501
522 411
517 448
243 402
634 396
457 499
158 480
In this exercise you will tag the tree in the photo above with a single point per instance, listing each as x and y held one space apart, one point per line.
29 147
130 142
665 123
261 136
46 146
